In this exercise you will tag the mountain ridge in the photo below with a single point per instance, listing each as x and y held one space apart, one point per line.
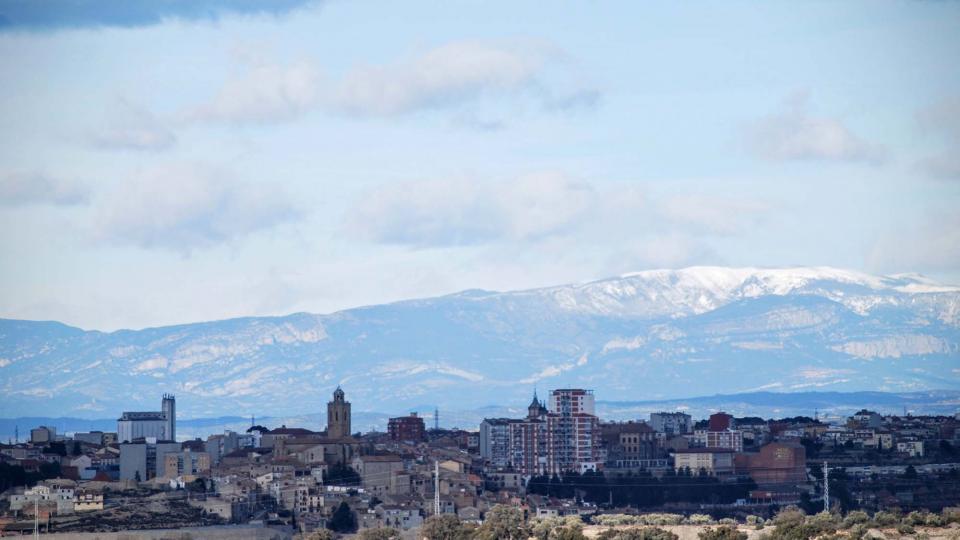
654 333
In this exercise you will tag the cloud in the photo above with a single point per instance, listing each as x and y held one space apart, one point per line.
447 74
21 188
64 14
189 206
794 134
942 120
467 212
132 128
266 93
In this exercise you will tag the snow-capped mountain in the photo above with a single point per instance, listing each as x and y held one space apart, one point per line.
648 335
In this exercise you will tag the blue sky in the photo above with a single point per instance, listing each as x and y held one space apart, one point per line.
178 161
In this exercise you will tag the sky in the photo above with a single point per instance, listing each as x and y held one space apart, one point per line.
178 161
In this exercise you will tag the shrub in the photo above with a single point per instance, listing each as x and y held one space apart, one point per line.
660 519
725 532
614 520
699 519
380 533
859 531
637 533
905 528
885 519
855 518
950 515
568 528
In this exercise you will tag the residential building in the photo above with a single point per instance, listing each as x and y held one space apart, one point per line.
629 444
774 464
712 461
407 428
728 438
573 432
671 423
144 459
43 435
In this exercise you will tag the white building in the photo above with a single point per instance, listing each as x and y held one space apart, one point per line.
160 425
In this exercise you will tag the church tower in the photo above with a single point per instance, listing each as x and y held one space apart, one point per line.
536 408
338 416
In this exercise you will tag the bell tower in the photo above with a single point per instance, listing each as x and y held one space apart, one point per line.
338 416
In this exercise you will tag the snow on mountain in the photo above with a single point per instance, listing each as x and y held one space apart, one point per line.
647 335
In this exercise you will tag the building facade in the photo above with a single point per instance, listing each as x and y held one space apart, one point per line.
671 423
407 428
160 425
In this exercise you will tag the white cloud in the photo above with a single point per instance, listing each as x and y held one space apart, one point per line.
132 128
23 188
465 212
266 93
942 120
453 72
445 76
187 206
795 134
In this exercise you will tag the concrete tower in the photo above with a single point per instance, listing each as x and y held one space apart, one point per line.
169 411
338 416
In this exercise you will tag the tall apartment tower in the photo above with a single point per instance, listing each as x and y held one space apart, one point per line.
338 416
168 409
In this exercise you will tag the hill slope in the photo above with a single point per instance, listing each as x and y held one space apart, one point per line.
644 336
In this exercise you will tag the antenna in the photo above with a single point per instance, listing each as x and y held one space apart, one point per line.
436 418
252 423
826 488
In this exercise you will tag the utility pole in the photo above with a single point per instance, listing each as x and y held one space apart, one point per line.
436 487
826 488
36 516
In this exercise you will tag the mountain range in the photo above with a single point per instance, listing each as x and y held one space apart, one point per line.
641 337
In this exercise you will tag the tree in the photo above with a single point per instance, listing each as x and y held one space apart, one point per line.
343 520
380 533
136 476
342 474
50 470
76 448
503 523
444 527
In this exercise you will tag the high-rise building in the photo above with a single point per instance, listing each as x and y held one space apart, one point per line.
573 432
564 438
338 416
